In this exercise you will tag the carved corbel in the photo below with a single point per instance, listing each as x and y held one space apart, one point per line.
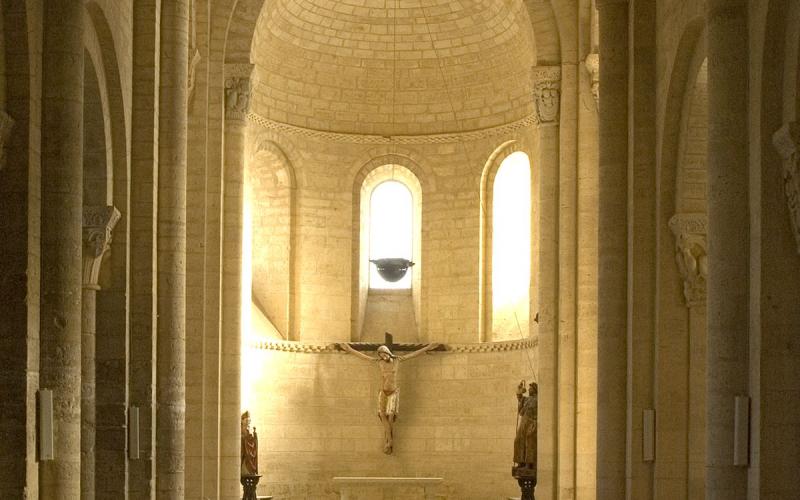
592 64
691 255
547 93
237 91
787 142
98 222
6 124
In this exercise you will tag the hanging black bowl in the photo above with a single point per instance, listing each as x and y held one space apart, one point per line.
392 269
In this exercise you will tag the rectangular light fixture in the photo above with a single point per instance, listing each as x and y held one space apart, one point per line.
45 403
648 435
133 433
741 431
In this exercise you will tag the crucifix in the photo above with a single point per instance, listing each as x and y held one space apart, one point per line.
389 363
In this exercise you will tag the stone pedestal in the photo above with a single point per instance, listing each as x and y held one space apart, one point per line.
526 478
388 488
249 482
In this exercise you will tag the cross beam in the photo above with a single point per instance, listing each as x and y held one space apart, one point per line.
388 341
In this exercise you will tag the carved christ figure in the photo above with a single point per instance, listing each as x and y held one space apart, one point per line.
389 395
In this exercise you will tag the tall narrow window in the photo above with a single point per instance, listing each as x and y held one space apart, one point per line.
390 230
511 248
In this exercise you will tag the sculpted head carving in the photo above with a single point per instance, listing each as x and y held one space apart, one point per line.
547 93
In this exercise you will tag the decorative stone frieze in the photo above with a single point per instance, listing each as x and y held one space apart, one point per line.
6 124
237 91
592 64
547 93
308 348
787 142
98 222
691 248
340 137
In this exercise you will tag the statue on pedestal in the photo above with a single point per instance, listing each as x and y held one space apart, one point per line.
249 454
525 444
389 395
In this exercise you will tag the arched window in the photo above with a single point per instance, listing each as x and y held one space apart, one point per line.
511 248
388 225
391 229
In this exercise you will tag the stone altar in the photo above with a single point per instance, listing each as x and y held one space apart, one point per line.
389 488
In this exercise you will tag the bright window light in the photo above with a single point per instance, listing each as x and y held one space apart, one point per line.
390 230
511 247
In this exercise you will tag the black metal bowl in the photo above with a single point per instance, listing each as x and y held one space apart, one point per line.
392 269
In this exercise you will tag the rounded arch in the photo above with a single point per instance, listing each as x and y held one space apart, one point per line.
102 70
681 363
372 173
776 272
242 18
378 157
688 59
546 38
271 206
487 182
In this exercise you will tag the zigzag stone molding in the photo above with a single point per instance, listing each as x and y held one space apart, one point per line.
322 135
313 348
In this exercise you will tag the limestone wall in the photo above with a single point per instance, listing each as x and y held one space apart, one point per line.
328 169
315 415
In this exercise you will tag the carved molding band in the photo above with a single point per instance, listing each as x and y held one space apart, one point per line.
547 93
691 255
787 142
309 348
322 135
592 63
237 91
98 222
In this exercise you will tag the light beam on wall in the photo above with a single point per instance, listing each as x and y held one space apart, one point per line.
248 354
511 247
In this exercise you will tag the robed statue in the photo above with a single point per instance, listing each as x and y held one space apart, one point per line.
249 447
524 470
525 440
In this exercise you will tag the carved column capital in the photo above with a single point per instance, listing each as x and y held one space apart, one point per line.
592 64
547 93
787 143
98 222
237 91
691 247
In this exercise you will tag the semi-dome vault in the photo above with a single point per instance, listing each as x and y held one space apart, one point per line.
393 67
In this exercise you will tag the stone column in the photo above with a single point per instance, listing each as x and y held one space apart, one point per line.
143 261
728 241
98 222
61 241
237 98
547 103
612 251
171 245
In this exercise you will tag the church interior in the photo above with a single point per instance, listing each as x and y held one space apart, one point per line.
229 222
